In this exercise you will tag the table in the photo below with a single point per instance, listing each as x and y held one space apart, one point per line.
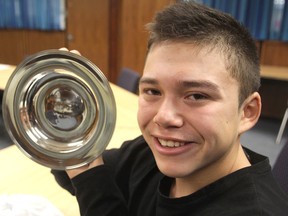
274 72
20 175
5 72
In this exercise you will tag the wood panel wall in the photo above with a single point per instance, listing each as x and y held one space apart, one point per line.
111 33
274 53
15 45
274 93
88 30
132 34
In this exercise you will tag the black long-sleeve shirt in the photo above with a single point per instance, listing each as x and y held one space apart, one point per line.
129 183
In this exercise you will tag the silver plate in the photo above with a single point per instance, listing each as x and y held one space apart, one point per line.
59 109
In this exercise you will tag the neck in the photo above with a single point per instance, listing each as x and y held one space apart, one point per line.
224 166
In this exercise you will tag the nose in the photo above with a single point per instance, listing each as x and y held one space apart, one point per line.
168 115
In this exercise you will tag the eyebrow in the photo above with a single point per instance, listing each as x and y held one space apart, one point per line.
185 84
145 80
200 84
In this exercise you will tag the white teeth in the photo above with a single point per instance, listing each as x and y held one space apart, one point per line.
170 144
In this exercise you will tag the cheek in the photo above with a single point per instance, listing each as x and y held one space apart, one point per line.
145 113
216 125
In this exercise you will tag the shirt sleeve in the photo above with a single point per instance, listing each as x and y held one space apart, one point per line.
105 190
98 194
63 180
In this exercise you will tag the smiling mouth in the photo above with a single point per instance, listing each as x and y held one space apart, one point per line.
170 143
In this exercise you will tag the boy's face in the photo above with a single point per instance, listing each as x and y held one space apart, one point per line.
188 110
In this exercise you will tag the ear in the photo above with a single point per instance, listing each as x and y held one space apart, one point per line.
251 110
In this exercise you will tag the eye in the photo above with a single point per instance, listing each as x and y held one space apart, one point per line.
152 91
197 96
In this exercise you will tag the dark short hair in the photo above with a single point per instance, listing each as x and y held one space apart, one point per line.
187 21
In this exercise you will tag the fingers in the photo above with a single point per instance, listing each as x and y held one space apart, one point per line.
73 51
64 49
76 52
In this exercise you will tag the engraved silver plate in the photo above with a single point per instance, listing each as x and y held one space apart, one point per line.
59 109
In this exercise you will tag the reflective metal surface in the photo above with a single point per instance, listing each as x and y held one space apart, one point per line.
59 109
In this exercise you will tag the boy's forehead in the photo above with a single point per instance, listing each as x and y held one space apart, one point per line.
174 49
196 47
185 55
204 67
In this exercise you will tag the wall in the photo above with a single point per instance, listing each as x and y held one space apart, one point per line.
274 53
110 33
18 44
133 36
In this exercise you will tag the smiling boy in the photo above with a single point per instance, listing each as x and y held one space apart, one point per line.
190 116
197 96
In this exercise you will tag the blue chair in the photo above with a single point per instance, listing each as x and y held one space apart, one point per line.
280 168
129 80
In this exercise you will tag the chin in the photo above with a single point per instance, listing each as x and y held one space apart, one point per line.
172 170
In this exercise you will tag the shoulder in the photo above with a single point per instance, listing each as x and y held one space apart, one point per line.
248 191
258 188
